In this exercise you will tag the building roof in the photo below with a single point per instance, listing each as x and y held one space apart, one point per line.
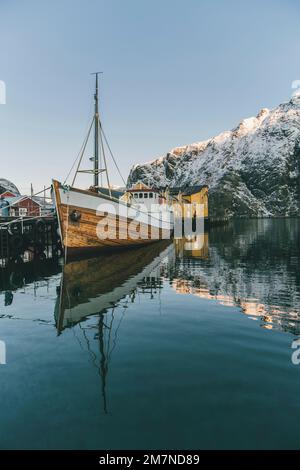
141 187
14 200
8 192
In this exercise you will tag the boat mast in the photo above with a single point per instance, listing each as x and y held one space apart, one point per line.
99 136
96 133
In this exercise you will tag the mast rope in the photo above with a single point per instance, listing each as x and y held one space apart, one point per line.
83 150
111 154
80 150
25 219
104 157
71 169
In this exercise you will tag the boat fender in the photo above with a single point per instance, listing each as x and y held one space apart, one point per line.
75 216
14 228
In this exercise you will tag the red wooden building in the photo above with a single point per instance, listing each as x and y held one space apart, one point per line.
23 206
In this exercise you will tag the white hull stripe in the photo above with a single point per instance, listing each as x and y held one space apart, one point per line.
96 203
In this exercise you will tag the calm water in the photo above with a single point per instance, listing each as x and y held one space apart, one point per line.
179 346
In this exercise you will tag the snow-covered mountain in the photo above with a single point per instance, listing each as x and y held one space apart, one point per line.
253 170
6 185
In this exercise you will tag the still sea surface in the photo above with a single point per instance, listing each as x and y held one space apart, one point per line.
188 345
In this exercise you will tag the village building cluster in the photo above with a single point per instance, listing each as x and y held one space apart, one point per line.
14 204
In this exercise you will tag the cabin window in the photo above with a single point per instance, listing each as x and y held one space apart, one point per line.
146 195
151 195
22 211
140 195
135 195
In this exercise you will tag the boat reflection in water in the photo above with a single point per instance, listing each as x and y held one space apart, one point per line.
95 286
91 286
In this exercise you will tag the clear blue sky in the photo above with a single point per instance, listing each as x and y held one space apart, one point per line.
175 72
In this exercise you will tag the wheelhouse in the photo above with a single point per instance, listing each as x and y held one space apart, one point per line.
143 193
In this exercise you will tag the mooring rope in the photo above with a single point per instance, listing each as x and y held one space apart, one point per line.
22 219
112 155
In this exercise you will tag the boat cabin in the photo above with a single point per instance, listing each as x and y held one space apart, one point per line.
143 194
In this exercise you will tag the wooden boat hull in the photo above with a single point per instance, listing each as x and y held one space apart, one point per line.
104 223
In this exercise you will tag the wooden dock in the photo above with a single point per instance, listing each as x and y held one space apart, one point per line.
28 238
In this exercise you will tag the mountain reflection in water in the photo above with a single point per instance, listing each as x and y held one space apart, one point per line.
251 264
254 265
130 337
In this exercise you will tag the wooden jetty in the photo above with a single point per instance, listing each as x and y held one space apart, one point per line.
28 237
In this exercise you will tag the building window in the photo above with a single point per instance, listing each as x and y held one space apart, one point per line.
150 195
140 195
135 195
146 195
22 211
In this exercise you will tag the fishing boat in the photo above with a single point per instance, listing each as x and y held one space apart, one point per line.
102 218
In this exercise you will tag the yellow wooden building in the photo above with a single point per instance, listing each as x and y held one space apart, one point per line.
187 203
191 201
